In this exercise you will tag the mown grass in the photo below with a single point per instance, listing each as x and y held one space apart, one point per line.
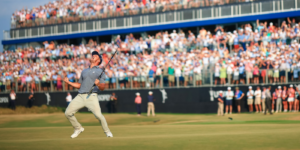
162 132
33 110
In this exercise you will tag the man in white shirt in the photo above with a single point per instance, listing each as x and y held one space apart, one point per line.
257 102
174 35
250 95
157 75
178 74
69 99
229 97
198 75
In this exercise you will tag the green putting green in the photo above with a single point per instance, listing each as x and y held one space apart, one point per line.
165 131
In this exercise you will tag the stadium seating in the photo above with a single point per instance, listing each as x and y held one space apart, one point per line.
265 54
65 11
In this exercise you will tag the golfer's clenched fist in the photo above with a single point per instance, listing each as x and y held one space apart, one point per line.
97 82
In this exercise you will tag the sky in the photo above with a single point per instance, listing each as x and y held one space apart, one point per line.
7 8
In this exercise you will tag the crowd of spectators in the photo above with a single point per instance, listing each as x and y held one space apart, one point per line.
61 11
261 54
260 99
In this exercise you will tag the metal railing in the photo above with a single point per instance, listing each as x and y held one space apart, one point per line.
168 17
204 79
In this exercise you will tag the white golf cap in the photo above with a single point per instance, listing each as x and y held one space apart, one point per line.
229 88
291 85
150 92
250 87
279 87
221 92
137 94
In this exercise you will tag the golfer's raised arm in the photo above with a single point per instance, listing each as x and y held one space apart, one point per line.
74 84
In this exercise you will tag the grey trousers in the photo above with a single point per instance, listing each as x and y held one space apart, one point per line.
92 104
279 105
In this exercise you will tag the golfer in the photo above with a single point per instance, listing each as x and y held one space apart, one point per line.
88 78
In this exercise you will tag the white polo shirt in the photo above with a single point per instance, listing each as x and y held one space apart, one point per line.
69 98
229 95
257 94
249 93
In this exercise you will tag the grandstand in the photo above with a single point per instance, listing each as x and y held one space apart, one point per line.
194 44
230 15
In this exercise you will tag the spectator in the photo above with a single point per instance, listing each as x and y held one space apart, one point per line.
276 72
223 75
249 69
291 95
235 76
256 75
158 76
59 83
151 77
238 97
284 99
250 95
263 66
151 104
274 98
229 97
279 100
257 102
297 100
295 71
171 77
270 70
31 98
220 104
242 73
198 74
138 102
283 68
217 73
13 97
113 102
68 99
